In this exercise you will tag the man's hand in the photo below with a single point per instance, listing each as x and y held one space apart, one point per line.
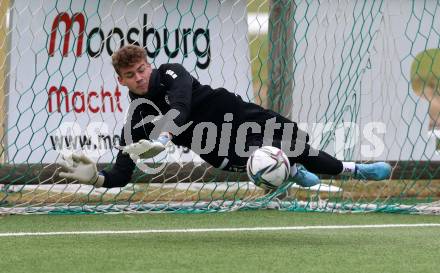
143 149
81 168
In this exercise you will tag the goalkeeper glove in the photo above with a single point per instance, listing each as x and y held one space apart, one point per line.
82 169
144 149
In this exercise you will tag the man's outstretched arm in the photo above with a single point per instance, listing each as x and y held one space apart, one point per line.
127 159
121 173
84 170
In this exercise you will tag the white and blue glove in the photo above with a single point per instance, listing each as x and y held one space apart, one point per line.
82 169
144 149
164 138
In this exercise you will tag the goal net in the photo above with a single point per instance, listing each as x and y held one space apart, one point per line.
361 77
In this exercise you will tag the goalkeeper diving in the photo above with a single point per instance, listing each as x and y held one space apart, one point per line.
172 89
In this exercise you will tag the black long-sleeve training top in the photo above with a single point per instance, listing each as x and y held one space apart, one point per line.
172 87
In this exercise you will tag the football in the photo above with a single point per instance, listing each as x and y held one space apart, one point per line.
268 167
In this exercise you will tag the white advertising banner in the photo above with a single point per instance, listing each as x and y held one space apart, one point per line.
63 92
353 88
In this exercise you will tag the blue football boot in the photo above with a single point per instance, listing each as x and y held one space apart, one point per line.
374 171
304 178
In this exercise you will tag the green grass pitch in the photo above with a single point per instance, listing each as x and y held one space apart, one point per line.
403 249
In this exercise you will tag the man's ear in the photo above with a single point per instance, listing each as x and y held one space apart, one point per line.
121 81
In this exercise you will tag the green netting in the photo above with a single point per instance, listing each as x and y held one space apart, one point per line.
362 77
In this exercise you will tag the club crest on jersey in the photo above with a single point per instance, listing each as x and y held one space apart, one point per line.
167 100
171 73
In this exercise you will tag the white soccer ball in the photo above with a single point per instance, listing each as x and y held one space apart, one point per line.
268 167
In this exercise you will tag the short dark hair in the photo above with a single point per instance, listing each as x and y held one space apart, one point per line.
127 56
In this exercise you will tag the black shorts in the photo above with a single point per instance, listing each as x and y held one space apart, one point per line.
237 163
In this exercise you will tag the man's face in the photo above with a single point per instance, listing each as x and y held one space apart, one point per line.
136 77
